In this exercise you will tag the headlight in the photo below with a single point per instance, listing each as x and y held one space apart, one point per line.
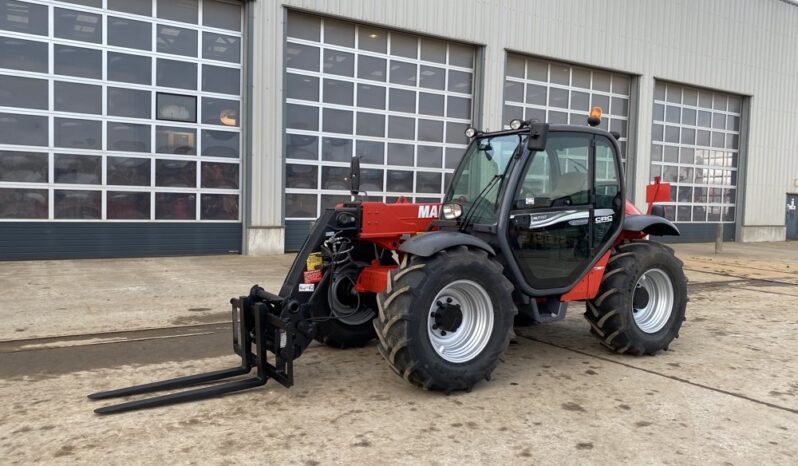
470 132
516 124
452 211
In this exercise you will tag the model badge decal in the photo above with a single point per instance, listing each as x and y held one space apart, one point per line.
428 211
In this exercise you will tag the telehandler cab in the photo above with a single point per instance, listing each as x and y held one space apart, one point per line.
535 218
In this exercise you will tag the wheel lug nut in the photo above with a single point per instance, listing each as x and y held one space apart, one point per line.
448 300
443 333
435 327
432 314
439 303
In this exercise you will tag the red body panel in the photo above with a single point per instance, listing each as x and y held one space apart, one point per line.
385 224
587 288
374 278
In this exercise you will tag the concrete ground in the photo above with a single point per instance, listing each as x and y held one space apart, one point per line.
725 393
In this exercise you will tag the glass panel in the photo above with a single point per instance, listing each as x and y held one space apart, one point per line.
372 39
329 201
127 205
371 68
175 140
77 204
172 73
404 45
301 176
178 10
300 205
132 103
403 73
123 32
128 137
559 98
620 84
430 130
176 41
453 157
337 121
79 134
77 169
455 133
298 146
23 203
129 68
138 7
221 14
690 97
221 79
430 104
175 107
26 130
219 207
220 143
303 26
536 94
459 81
302 87
175 206
401 127
77 61
458 107
430 156
461 55
428 182
399 181
601 81
515 66
339 32
23 167
176 173
336 150
341 63
401 100
302 57
335 178
220 112
79 98
433 50
221 47
370 124
23 17
432 77
127 171
560 74
92 3
400 154
25 55
371 152
371 179
23 92
219 175
78 25
369 96
579 101
513 91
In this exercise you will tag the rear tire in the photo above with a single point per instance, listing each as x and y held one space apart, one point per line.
444 321
640 305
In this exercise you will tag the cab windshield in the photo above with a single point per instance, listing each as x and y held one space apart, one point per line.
481 176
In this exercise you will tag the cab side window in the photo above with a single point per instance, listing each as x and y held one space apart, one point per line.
557 176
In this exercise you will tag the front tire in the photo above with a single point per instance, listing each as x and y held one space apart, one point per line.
640 305
444 321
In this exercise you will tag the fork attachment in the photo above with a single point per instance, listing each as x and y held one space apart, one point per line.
267 321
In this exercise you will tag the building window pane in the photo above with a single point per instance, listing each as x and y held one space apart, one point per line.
128 171
303 26
339 32
430 156
371 68
299 146
337 121
128 137
371 152
219 175
24 55
179 10
221 14
401 100
174 140
78 98
78 134
431 104
78 25
300 205
220 143
180 74
220 112
302 57
401 127
23 167
129 68
400 154
219 207
461 55
336 150
403 73
372 39
77 169
302 117
370 124
131 103
459 81
430 130
78 61
399 181
175 206
427 182
301 176
176 173
335 178
137 7
123 32
23 92
174 107
221 79
122 205
26 130
221 47
23 203
23 17
302 87
340 63
177 41
77 204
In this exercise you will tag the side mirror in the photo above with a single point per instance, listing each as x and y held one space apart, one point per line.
354 176
537 136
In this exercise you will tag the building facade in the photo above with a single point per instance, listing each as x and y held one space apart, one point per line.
166 127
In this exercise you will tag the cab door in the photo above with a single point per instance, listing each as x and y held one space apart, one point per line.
558 219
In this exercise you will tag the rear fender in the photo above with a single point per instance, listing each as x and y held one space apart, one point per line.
427 244
650 225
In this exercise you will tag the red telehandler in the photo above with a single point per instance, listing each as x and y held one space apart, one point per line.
535 218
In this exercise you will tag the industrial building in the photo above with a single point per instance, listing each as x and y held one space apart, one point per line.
177 127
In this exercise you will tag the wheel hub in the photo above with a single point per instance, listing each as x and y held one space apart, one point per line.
653 300
448 316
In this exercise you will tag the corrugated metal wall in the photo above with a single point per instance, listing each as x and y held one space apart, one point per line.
747 47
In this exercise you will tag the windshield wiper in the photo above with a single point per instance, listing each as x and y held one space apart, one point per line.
471 214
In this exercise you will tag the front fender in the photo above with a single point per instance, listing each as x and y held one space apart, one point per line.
650 225
427 244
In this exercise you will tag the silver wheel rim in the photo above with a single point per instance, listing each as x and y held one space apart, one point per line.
656 312
472 335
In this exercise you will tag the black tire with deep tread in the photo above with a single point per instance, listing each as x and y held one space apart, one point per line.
403 312
340 335
610 314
